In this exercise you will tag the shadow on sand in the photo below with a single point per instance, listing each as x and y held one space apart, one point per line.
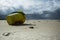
22 25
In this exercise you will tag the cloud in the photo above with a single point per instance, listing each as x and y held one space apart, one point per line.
30 6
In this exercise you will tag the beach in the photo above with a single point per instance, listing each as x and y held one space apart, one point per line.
42 30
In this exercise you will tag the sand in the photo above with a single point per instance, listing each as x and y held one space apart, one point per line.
43 30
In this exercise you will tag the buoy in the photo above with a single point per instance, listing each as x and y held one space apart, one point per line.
16 18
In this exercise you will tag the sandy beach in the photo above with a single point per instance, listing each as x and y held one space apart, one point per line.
42 30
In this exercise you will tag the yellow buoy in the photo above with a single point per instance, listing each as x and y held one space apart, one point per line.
16 18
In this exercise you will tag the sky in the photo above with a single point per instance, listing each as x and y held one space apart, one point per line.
29 6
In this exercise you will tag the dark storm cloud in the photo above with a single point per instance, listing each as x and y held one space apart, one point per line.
46 15
51 15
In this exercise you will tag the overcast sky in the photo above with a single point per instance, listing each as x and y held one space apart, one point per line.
32 5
